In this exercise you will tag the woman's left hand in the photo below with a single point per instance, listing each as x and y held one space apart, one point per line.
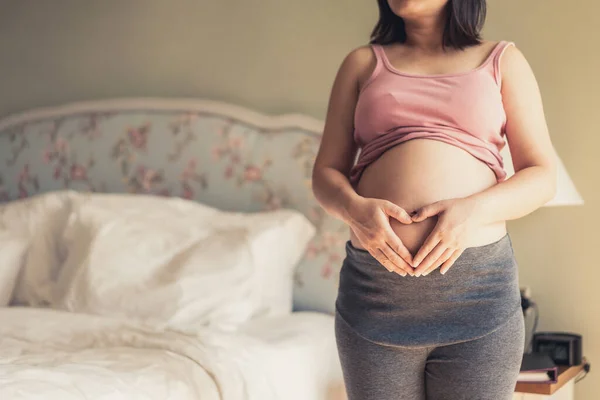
456 226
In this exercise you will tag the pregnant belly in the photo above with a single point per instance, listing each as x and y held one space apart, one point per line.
420 172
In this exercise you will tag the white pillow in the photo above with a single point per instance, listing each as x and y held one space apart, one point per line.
279 241
179 263
39 220
12 256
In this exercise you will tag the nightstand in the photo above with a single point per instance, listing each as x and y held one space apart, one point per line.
564 389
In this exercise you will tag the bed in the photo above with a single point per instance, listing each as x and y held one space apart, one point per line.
70 330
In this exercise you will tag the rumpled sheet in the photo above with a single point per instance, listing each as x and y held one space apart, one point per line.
50 354
46 354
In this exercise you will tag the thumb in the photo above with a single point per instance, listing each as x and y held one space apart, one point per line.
397 212
428 211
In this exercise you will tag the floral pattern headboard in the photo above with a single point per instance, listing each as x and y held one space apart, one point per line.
217 154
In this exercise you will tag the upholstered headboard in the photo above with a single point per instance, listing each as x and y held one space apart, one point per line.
218 154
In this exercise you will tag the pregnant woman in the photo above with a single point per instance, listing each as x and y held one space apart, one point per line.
428 305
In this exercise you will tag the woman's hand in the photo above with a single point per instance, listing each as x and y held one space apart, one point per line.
457 223
370 222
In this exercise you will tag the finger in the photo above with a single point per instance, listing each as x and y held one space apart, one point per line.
440 261
397 260
398 247
382 259
450 262
432 240
388 264
397 213
433 255
428 211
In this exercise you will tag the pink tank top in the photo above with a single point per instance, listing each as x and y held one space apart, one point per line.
463 109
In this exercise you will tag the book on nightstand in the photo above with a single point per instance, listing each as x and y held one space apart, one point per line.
538 367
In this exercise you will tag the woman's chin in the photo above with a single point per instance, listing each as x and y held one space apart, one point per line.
415 9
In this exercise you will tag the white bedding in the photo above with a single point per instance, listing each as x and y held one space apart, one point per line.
158 260
142 297
50 354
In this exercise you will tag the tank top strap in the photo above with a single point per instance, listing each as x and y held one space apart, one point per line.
496 56
379 54
379 58
378 50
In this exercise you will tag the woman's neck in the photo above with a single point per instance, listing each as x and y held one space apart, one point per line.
427 33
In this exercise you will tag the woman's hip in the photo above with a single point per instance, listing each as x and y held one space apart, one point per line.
477 294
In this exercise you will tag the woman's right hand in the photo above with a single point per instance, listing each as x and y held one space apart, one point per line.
370 222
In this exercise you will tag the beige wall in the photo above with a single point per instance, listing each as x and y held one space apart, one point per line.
274 55
556 247
280 56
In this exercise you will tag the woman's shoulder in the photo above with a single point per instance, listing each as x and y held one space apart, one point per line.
503 51
359 62
512 63
362 55
492 45
508 50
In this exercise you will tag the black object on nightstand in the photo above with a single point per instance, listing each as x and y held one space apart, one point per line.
563 347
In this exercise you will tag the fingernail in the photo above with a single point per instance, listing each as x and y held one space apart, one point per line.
426 273
418 274
444 273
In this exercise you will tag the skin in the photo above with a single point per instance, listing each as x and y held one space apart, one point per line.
415 223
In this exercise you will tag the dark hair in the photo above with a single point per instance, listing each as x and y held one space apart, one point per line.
464 22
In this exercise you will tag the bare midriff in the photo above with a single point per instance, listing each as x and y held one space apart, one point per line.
419 172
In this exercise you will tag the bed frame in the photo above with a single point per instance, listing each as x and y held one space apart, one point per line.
215 153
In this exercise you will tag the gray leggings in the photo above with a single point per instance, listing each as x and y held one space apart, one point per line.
485 368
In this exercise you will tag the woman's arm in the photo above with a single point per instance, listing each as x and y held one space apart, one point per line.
532 185
368 218
337 151
534 159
